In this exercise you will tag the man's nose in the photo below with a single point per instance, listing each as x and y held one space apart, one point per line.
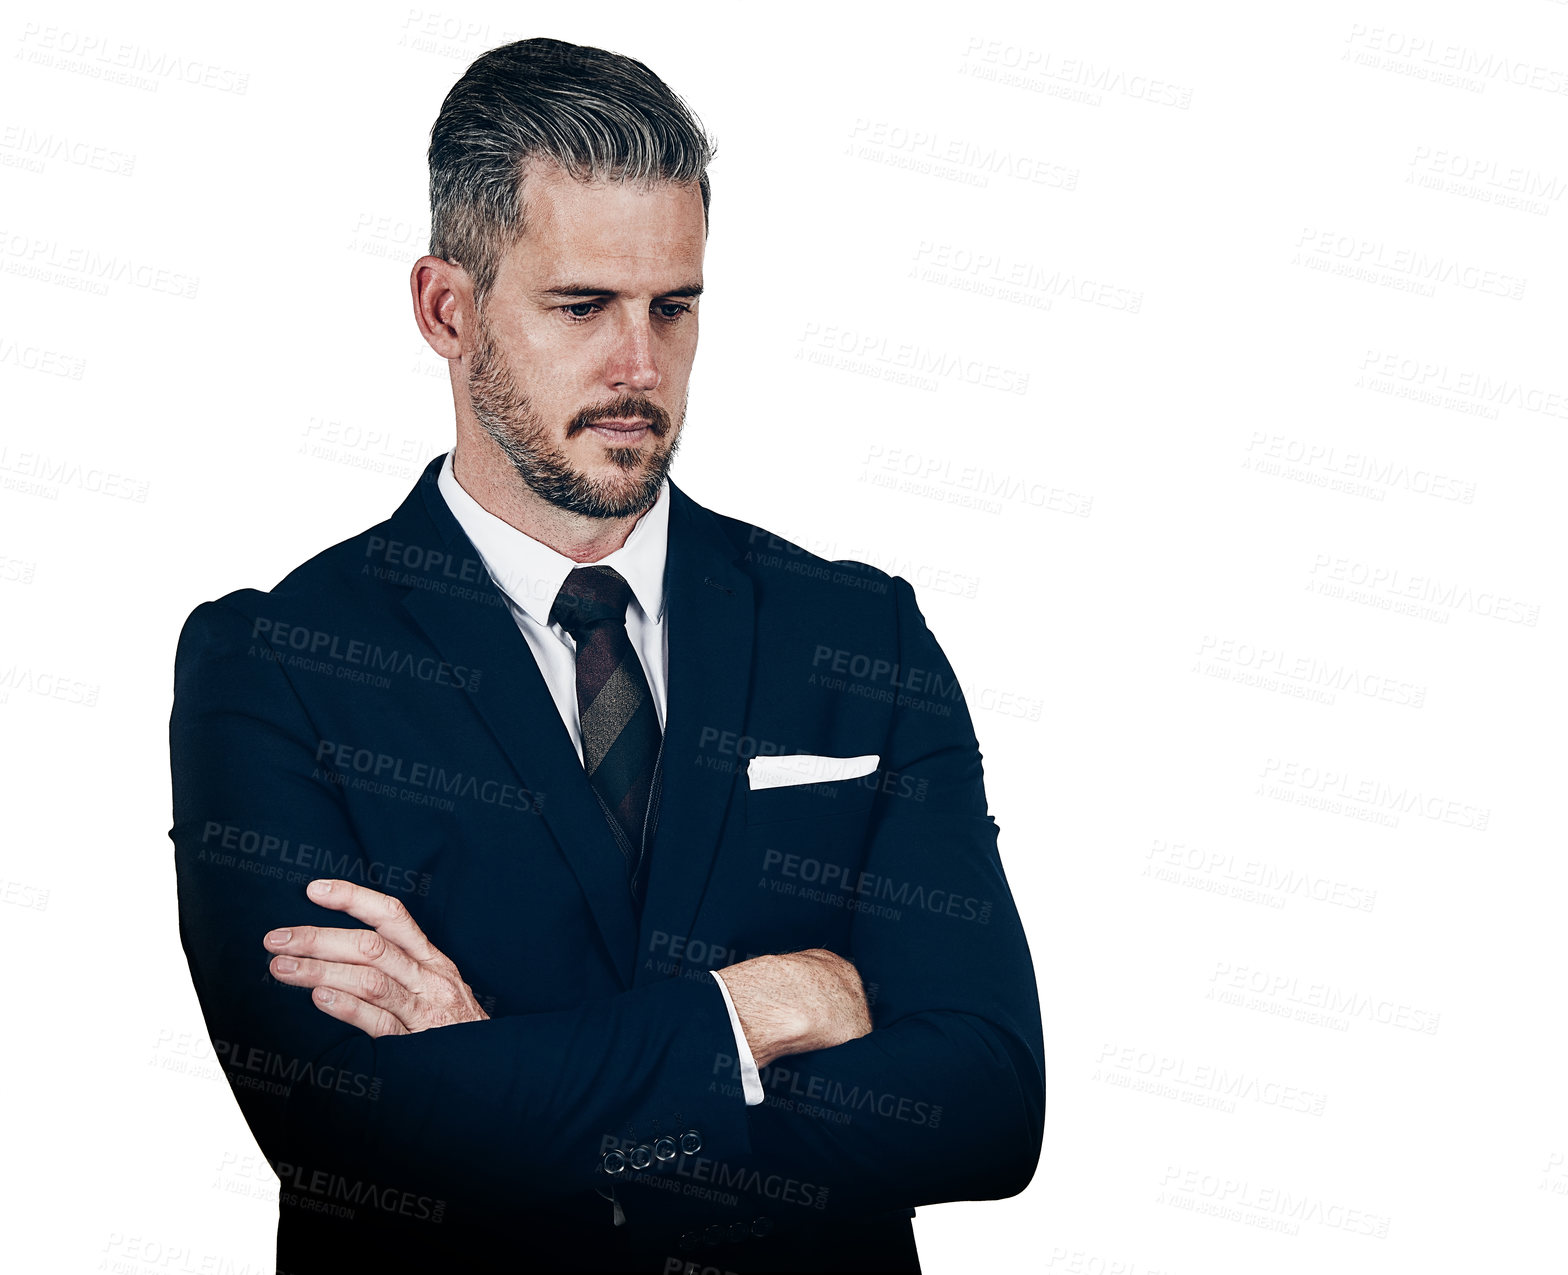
633 365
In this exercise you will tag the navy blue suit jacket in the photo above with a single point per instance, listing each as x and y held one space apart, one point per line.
379 717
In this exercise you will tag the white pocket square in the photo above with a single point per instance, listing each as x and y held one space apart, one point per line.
780 771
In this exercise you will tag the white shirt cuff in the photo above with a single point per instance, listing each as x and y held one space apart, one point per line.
750 1081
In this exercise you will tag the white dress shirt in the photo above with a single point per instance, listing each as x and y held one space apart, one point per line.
530 574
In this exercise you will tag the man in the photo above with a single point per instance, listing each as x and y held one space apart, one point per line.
519 836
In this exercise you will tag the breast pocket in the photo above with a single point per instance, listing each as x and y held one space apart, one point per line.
839 798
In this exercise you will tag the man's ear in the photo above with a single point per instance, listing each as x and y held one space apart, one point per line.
443 296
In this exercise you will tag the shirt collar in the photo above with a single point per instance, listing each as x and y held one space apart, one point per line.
531 573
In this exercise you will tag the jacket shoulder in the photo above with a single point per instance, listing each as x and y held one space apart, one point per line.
779 566
346 578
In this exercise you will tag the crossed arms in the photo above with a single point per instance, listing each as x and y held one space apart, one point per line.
519 1104
390 980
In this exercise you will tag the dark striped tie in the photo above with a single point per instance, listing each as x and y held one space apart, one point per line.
620 727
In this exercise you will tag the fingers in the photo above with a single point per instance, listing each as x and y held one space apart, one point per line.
385 914
388 980
347 947
364 983
370 1019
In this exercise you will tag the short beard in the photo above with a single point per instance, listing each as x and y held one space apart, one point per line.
508 417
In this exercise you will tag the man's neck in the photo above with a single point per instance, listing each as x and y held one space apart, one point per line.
490 479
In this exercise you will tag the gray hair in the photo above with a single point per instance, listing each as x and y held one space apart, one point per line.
599 115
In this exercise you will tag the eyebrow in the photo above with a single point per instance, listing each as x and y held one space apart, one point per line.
590 290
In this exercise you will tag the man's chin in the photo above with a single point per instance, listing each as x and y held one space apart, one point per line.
616 492
597 482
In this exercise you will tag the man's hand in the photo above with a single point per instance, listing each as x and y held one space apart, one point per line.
797 1001
387 981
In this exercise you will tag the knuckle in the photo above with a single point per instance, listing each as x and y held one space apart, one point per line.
371 945
374 984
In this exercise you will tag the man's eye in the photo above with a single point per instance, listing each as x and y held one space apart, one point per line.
671 309
580 309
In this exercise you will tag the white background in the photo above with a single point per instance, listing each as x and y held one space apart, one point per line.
1252 583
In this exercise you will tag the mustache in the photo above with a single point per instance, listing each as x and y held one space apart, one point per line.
628 405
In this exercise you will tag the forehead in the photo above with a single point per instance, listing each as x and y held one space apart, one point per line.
644 232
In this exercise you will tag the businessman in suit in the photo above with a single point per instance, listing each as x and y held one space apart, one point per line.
573 877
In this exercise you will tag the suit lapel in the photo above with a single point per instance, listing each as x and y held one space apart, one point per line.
516 705
710 611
